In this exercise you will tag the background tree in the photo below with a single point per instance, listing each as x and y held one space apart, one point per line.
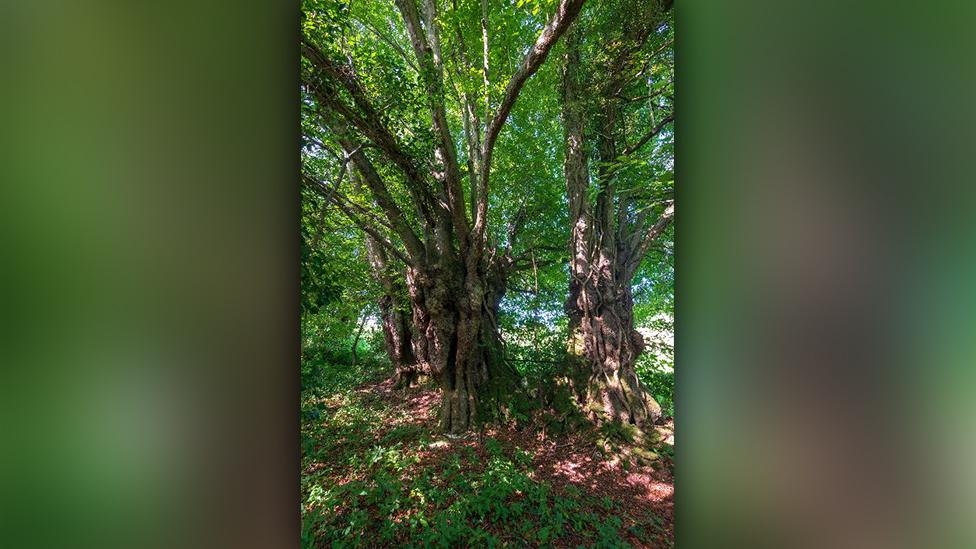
394 309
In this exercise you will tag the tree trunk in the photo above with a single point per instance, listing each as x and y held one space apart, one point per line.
355 342
454 337
603 344
603 322
396 319
399 348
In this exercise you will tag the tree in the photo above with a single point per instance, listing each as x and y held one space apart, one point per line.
613 108
394 311
456 267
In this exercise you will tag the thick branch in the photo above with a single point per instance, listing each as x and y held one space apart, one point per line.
418 190
557 25
427 49
565 13
367 119
366 227
658 227
471 122
653 232
576 161
484 60
385 201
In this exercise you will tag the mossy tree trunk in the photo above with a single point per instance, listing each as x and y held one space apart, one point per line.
607 242
455 338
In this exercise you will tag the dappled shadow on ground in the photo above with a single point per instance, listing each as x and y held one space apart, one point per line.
384 443
646 492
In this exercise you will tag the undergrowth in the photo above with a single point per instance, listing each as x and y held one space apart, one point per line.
371 477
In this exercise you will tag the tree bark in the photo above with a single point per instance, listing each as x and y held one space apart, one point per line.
395 317
602 320
394 312
454 337
603 344
399 348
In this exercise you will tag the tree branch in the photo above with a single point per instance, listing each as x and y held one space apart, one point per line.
427 49
385 201
650 236
364 211
470 121
366 227
515 226
557 25
389 41
649 135
566 12
367 120
484 55
435 215
329 194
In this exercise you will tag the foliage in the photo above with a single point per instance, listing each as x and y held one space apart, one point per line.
468 497
661 385
527 179
394 487
331 371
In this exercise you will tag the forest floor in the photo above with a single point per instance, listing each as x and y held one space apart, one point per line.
376 473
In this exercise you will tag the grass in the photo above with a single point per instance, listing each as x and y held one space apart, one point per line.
373 476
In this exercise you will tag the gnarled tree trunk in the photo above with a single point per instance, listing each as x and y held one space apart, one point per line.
395 317
601 325
606 245
455 338
399 346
